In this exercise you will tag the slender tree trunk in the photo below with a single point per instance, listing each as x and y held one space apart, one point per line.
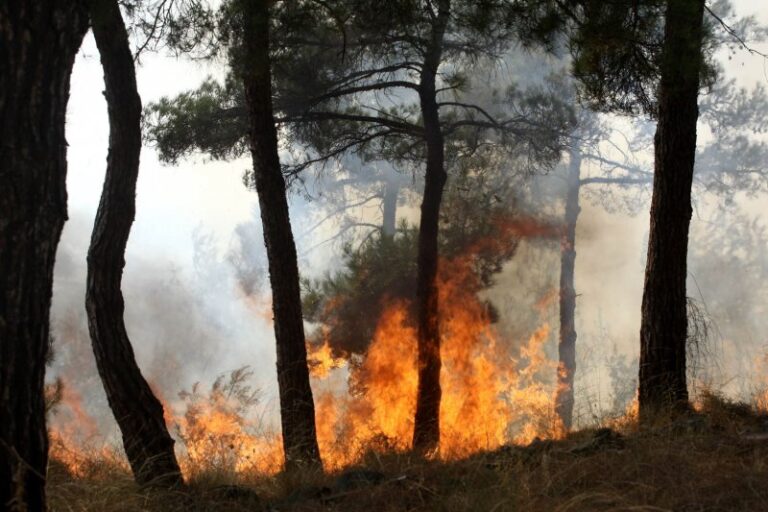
567 346
38 43
389 208
426 432
664 323
296 404
139 414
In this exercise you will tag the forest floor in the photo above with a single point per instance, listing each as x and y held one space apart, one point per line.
713 460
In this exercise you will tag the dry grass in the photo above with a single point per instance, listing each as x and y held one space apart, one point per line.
713 460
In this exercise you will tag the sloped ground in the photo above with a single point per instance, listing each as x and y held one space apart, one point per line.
713 460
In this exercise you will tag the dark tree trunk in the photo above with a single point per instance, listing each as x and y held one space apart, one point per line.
567 345
664 323
389 208
38 43
426 432
139 414
297 408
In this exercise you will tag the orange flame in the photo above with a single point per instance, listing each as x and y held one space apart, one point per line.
74 439
760 397
321 360
217 434
493 392
489 397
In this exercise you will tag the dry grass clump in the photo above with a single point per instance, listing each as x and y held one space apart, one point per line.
715 459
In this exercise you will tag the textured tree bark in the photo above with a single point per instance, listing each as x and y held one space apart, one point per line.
426 431
297 408
139 414
664 322
38 43
564 399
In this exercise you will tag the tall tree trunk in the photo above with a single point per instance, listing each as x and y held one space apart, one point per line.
139 414
297 408
567 346
664 321
38 43
389 208
426 431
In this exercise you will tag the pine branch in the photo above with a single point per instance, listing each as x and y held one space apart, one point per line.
395 126
732 32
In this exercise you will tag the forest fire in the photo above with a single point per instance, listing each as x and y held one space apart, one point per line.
462 242
74 437
217 433
493 392
490 397
322 361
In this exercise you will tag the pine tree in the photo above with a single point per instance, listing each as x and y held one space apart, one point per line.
139 414
250 57
38 43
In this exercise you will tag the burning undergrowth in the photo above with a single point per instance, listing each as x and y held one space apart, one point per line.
495 390
492 393
217 430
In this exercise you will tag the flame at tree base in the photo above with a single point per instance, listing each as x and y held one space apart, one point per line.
485 405
489 398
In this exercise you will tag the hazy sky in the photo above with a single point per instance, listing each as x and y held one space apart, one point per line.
172 201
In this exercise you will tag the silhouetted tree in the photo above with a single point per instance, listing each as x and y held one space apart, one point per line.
38 43
250 58
664 322
139 414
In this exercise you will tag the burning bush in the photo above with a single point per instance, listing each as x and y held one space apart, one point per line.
218 431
